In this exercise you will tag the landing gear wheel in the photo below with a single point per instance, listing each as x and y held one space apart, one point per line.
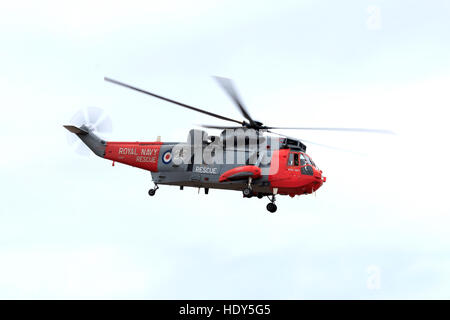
152 192
259 195
247 192
271 207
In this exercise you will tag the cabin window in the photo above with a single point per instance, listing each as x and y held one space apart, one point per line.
293 159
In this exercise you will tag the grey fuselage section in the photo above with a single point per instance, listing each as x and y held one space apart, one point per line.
204 172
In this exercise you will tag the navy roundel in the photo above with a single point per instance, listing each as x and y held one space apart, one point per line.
167 157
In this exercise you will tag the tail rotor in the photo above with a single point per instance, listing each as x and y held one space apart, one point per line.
93 119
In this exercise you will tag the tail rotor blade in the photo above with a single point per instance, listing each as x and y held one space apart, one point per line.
104 125
82 149
93 114
79 118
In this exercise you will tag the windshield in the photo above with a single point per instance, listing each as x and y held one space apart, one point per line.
305 159
301 159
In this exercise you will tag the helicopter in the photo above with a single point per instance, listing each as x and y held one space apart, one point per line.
242 158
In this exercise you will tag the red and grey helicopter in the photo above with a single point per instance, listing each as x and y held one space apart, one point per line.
242 158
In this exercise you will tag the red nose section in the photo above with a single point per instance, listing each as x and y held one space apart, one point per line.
240 173
293 179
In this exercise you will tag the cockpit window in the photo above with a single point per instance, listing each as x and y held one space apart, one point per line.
302 159
310 162
306 164
307 170
307 160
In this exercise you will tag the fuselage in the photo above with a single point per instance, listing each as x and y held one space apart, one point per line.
287 172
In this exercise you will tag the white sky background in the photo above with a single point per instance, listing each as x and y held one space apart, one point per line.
75 227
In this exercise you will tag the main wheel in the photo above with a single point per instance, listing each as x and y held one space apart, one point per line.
271 207
247 192
151 192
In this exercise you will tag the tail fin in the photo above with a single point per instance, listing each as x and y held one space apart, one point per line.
76 130
95 143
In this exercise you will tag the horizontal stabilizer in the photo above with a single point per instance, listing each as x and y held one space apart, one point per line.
76 130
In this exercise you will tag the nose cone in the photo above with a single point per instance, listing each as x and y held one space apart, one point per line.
319 179
317 174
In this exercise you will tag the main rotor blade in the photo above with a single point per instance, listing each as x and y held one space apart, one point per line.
219 127
338 129
172 101
227 85
315 143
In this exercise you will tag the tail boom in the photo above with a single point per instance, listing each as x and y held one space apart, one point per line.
142 155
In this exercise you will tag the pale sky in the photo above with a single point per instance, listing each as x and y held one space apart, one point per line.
76 227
